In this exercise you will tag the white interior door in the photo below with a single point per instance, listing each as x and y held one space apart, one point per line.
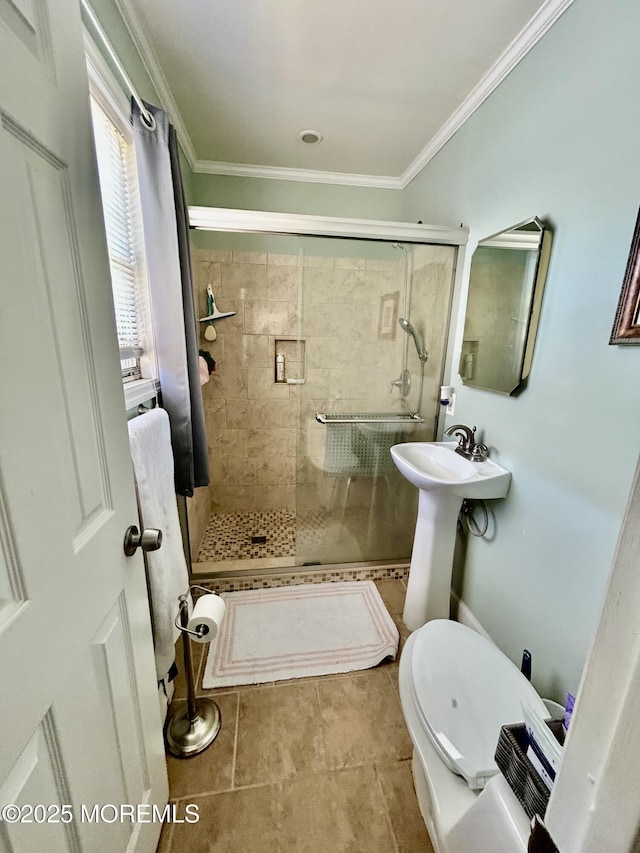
79 714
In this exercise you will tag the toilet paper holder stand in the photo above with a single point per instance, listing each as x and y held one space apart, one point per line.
194 726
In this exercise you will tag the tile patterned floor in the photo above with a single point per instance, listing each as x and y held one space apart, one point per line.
309 537
229 535
293 576
304 766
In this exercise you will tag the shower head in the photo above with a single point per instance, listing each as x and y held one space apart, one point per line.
406 326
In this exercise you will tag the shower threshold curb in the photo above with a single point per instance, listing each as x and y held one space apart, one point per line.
243 579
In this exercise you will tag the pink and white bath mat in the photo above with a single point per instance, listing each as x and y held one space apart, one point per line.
297 631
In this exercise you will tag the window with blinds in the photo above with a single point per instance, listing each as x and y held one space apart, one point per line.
116 168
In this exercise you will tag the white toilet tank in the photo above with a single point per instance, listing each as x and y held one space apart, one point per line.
465 690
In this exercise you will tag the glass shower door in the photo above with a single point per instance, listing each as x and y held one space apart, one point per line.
307 396
362 378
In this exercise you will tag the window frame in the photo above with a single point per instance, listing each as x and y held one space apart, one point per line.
109 95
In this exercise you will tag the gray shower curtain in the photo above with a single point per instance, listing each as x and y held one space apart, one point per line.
166 234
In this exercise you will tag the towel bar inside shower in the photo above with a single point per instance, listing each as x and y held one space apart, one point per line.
369 419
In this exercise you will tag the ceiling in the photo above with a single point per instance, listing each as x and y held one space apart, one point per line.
386 82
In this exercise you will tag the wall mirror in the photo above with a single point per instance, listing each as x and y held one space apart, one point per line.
508 272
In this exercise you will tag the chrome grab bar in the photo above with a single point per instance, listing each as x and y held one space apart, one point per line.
380 419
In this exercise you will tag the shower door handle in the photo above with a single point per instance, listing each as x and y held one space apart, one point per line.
149 540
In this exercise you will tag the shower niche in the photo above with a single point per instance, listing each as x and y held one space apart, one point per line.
289 360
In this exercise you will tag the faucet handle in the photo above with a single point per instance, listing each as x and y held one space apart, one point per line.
479 452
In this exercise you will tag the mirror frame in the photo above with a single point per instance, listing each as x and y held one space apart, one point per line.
626 325
535 307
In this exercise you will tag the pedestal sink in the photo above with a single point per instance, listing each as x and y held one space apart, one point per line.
444 479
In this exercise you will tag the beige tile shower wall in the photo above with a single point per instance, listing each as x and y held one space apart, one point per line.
350 363
251 422
264 440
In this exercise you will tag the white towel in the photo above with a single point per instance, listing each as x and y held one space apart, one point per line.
150 441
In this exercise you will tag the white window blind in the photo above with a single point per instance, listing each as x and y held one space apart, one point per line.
116 171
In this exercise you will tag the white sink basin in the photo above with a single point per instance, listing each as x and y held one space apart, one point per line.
434 466
444 479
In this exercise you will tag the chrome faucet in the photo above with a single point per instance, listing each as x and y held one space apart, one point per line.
467 446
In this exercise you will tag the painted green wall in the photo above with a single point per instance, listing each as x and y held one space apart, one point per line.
558 138
107 13
297 197
328 247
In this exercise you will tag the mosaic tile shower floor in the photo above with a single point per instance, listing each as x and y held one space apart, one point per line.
273 533
283 538
249 535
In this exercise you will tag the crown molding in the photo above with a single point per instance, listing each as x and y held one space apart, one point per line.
543 20
283 173
153 68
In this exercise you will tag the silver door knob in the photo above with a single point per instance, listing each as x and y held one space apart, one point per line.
149 540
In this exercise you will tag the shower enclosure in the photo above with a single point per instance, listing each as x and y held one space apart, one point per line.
334 352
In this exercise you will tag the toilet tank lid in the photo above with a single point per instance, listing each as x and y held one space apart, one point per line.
466 689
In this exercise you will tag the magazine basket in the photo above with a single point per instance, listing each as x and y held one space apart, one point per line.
523 778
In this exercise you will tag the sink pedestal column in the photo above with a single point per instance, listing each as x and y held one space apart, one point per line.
429 586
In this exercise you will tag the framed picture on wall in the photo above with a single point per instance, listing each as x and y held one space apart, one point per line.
626 326
388 318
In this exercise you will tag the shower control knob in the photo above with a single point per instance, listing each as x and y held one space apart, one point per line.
149 540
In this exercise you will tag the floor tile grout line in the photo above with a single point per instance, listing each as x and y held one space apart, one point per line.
235 742
385 807
395 687
170 833
214 792
325 753
208 692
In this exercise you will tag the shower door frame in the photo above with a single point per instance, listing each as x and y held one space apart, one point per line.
231 220
304 225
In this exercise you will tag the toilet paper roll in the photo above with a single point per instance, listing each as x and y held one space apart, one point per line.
206 618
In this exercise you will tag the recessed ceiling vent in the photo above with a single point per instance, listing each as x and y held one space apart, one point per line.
311 137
